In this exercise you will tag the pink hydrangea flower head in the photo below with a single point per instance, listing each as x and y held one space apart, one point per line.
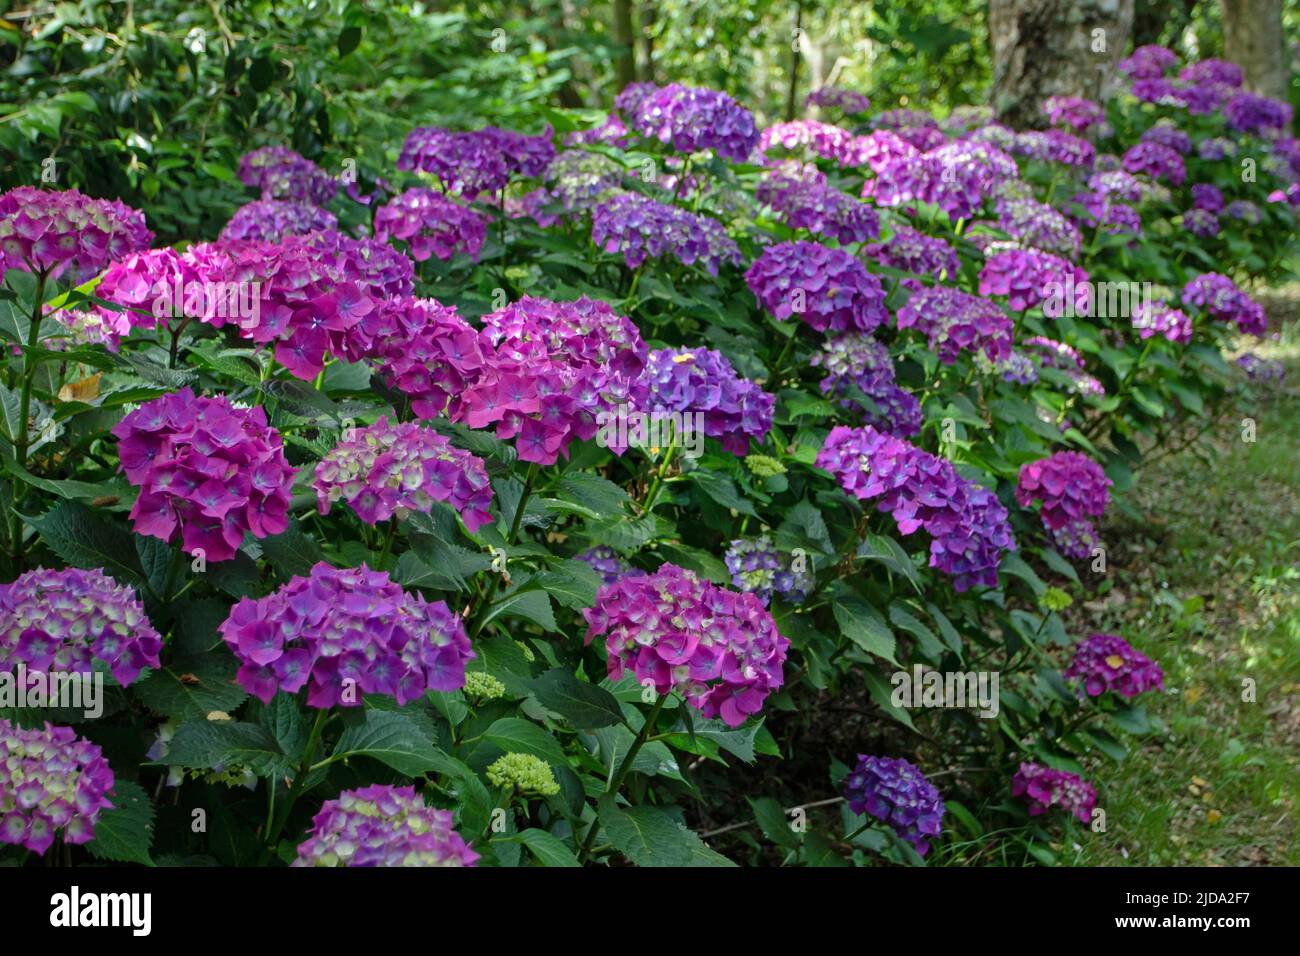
280 173
64 233
270 220
431 225
1044 788
1107 662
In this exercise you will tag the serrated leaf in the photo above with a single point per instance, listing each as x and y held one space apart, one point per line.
647 836
548 849
861 623
515 735
124 833
191 688
85 540
395 740
205 744
584 705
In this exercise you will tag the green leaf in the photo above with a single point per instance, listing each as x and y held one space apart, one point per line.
349 39
85 540
861 623
548 849
773 822
887 551
291 552
592 495
722 490
124 833
532 606
396 740
1015 566
584 705
573 584
191 688
205 744
647 836
515 735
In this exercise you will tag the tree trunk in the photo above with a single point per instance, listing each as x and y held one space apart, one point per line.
1045 48
1253 39
625 58
648 42
791 104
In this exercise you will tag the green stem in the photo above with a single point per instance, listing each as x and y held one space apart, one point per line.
299 781
24 407
478 613
388 541
780 359
653 495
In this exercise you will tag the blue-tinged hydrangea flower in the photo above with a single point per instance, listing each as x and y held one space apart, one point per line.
1224 302
1107 662
1157 161
270 220
691 119
954 322
1167 134
1259 369
608 563
759 568
383 826
702 382
859 361
641 228
1201 223
479 162
1250 113
827 288
431 225
1245 211
1038 225
913 251
51 781
1054 146
821 209
280 173
849 102
896 792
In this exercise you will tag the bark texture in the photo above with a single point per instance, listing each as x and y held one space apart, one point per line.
1253 39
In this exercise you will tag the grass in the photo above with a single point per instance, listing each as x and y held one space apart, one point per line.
1205 578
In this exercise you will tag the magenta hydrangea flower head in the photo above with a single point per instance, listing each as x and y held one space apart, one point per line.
691 119
431 225
1214 72
1249 113
475 163
207 471
702 382
1224 302
880 150
1107 662
811 138
641 228
66 233
143 283
383 826
954 322
1167 134
859 361
827 288
957 177
1044 788
924 138
1028 278
896 792
1073 111
1072 488
51 782
608 563
913 251
1148 62
676 631
379 269
1063 358
64 620
1160 318
1157 161
270 220
849 102
422 349
968 526
821 209
280 173
384 470
344 632
554 369
757 567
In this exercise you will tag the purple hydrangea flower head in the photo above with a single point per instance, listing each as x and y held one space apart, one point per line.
859 361
880 150
642 228
957 177
384 470
965 118
608 563
1167 134
967 524
1148 62
1216 148
1107 662
1160 318
475 163
674 630
552 370
270 220
1219 296
51 782
1071 486
1073 111
1155 90
1157 161
63 620
1038 225
816 139
207 471
1054 146
691 119
1208 197
1050 354
280 173
1245 211
66 233
827 288
702 382
924 138
1211 71
1249 113
896 792
383 826
613 131
849 102
1259 369
954 322
913 251
1201 223
344 632
903 118
431 225
757 567
579 180
1200 99
1028 278
1044 788
821 209
1101 209
380 270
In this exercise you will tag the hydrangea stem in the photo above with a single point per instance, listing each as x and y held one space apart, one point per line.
299 781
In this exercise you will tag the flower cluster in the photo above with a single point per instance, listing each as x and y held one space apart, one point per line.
1156 161
579 180
759 568
641 228
523 773
280 173
954 322
1044 788
1160 318
1098 209
608 563
384 470
849 102
1207 196
1072 111
967 524
1167 134
1072 488
957 177
880 150
136 282
1048 353
431 225
1054 146
827 288
380 270
1201 223
1219 296
1249 113
206 470
1028 277
60 620
552 370
691 119
1107 662
1259 369
1245 211
701 381
673 630
821 209
897 793
913 251
1038 225
349 631
476 163
1148 62
270 220
66 232
819 139
859 361
383 826
51 780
